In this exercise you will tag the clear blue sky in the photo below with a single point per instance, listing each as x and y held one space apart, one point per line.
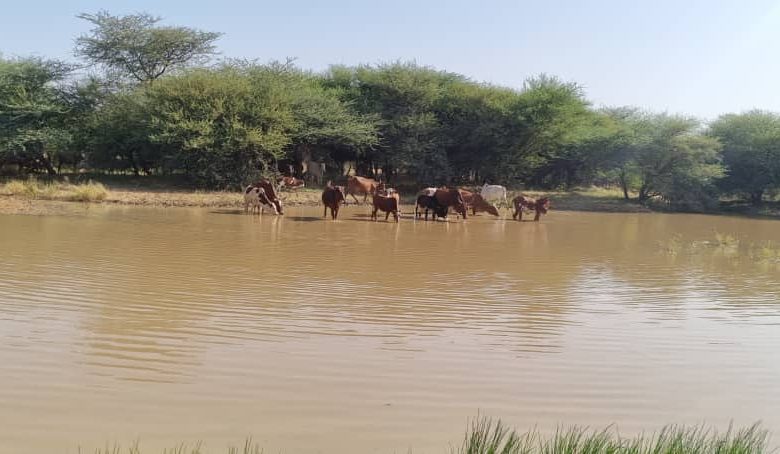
687 56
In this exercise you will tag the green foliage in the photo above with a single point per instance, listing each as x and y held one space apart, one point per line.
135 46
487 436
33 113
663 157
559 133
118 138
404 96
751 152
225 124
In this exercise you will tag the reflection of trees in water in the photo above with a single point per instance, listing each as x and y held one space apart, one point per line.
684 261
121 289
426 280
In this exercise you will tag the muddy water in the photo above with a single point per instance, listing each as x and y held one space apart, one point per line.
122 324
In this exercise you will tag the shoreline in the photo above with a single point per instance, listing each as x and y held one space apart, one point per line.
42 198
34 197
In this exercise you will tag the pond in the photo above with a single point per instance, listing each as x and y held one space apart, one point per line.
178 325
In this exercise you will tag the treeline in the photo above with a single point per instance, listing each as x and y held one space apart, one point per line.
153 104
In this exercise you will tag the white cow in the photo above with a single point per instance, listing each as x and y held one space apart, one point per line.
257 199
494 192
428 192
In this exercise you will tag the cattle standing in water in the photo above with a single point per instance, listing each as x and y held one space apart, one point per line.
257 199
428 202
389 201
494 192
270 192
451 198
362 185
521 202
332 197
477 203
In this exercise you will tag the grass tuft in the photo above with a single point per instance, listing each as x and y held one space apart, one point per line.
89 192
34 189
491 436
25 188
486 436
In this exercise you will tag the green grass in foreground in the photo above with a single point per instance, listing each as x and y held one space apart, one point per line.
486 436
489 436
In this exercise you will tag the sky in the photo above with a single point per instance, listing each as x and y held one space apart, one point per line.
692 57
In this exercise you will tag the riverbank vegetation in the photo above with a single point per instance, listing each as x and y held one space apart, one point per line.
64 191
155 102
487 436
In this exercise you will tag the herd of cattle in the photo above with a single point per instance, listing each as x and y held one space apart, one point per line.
438 201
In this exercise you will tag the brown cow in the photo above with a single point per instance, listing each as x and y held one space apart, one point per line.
521 202
388 201
290 182
270 192
332 197
451 198
362 185
477 203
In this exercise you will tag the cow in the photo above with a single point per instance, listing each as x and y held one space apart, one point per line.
451 198
494 192
521 202
388 201
477 203
290 182
257 199
332 197
428 202
315 170
270 192
362 185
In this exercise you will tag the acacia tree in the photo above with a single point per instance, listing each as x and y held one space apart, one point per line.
325 126
751 152
117 137
551 116
404 96
227 127
135 46
33 113
665 156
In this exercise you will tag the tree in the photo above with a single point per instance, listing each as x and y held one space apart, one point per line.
476 128
118 136
751 152
33 113
226 126
325 127
551 116
664 156
135 46
404 97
